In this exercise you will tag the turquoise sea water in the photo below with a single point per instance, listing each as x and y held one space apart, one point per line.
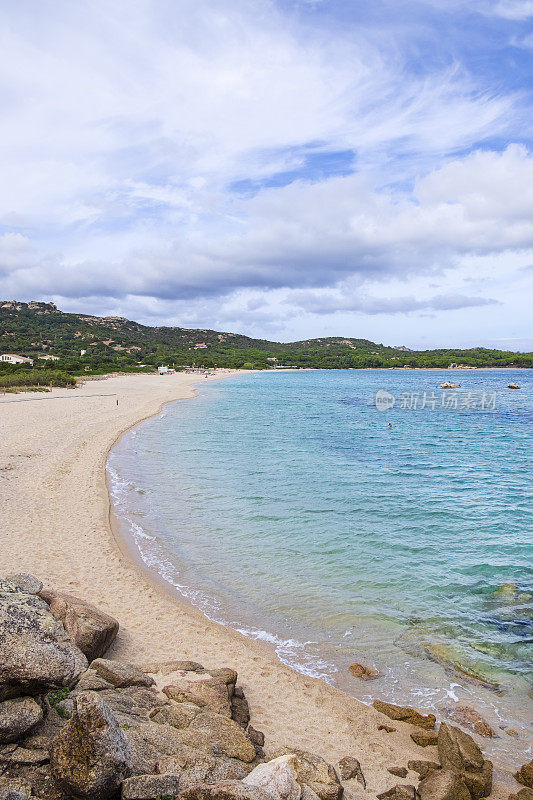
283 505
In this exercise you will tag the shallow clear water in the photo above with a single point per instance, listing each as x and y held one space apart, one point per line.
282 504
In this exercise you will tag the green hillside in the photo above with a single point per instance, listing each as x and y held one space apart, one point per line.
39 330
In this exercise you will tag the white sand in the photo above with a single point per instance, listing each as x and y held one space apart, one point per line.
55 524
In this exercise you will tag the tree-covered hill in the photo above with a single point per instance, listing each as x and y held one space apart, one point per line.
85 343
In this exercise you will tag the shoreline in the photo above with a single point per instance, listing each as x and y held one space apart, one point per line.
426 677
60 509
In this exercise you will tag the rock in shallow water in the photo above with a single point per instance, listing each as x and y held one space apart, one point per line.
470 718
363 672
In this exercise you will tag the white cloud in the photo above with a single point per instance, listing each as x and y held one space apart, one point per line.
515 9
126 126
316 234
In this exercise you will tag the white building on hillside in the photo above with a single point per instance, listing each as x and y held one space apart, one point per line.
10 358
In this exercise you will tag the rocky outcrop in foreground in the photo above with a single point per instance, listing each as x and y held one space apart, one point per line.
74 724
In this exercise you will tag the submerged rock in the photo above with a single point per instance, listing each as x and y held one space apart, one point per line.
92 630
470 718
448 658
405 714
506 590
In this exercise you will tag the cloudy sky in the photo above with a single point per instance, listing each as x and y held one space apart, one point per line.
282 168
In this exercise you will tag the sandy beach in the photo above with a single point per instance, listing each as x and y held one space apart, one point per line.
56 524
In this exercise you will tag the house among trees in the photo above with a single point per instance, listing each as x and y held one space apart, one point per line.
10 358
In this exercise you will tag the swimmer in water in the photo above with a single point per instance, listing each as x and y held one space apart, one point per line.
389 425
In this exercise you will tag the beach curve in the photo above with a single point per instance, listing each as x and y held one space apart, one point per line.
57 525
